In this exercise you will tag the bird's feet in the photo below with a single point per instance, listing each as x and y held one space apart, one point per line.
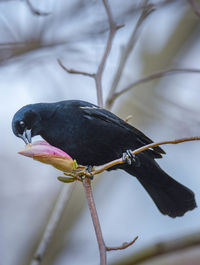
128 157
87 172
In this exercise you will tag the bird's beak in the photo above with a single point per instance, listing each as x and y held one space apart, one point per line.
26 136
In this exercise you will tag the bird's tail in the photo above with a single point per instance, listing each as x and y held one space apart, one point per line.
171 197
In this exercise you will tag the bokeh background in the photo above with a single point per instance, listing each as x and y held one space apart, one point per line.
166 108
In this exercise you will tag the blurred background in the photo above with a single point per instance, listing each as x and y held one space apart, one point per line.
33 36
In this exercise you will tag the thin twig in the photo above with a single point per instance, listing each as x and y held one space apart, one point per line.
72 71
113 28
95 219
156 250
99 169
194 6
147 10
36 11
123 246
63 198
155 76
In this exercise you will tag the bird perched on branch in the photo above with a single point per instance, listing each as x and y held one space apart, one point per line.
94 136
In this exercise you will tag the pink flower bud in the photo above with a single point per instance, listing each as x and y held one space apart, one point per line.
42 147
48 154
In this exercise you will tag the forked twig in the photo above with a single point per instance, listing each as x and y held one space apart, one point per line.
98 80
146 11
113 27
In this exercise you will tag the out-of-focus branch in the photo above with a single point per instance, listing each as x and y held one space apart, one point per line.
72 71
147 10
194 7
10 50
161 248
63 198
155 76
36 11
113 27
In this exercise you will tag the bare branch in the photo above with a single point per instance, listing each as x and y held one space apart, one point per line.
155 76
123 246
113 28
161 248
72 71
99 169
35 11
95 219
147 10
63 198
194 7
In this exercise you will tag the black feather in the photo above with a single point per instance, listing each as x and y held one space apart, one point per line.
94 136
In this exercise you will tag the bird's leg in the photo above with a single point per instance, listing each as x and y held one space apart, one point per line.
128 157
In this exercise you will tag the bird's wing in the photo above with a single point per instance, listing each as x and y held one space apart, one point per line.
108 117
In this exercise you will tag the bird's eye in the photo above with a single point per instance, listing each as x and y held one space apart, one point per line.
22 124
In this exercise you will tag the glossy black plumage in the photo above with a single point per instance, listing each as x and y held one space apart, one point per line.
94 136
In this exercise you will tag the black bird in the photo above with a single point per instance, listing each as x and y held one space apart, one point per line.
94 136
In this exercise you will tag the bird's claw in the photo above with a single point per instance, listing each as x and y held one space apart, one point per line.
128 157
87 172
89 169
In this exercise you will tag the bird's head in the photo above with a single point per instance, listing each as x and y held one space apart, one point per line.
26 123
